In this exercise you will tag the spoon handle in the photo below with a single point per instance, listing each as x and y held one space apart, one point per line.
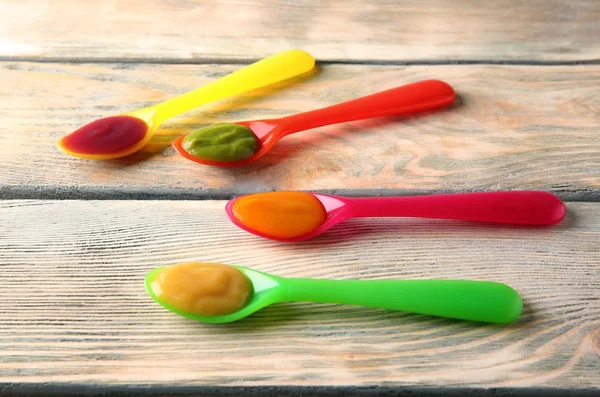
267 71
516 207
416 97
467 300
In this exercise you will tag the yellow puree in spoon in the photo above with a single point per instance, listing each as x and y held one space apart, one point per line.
207 289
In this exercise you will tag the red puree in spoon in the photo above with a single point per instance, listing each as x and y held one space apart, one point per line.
106 136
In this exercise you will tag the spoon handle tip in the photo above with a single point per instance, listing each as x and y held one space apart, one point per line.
267 71
482 301
410 98
510 207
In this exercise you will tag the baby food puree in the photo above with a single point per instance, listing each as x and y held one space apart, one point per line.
106 136
208 289
280 214
221 142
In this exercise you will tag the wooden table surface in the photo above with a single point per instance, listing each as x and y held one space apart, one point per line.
77 237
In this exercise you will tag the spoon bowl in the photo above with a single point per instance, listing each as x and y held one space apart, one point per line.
265 292
111 137
483 301
411 98
532 208
336 208
268 132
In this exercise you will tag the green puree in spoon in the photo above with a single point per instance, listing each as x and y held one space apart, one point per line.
221 142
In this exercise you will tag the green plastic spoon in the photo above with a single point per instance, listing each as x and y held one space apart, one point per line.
461 299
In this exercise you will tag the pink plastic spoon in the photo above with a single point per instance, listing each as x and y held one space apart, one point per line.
534 208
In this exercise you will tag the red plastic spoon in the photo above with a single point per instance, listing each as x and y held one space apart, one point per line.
534 208
411 98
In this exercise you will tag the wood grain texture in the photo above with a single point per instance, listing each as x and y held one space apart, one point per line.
353 30
73 307
512 127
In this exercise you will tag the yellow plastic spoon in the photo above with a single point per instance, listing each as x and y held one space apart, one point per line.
118 136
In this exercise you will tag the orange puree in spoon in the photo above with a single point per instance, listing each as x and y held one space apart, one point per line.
280 214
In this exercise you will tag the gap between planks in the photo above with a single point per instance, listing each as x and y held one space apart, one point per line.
140 390
199 194
247 61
